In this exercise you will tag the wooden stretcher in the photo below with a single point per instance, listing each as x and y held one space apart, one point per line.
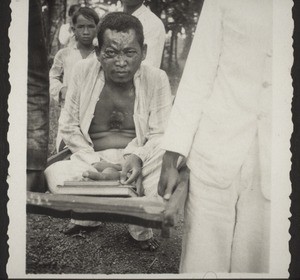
132 210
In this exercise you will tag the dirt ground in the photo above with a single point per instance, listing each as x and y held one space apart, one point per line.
110 249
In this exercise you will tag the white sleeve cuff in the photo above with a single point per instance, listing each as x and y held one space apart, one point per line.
177 139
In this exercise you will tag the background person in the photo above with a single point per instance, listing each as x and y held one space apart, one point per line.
85 21
66 35
37 100
154 30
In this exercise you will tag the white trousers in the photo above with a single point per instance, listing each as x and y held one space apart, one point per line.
227 230
72 169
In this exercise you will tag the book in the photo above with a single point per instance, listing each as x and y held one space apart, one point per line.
97 188
92 183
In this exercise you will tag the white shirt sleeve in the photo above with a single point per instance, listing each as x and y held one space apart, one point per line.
197 81
160 107
69 121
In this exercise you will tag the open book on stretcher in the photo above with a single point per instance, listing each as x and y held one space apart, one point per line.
112 203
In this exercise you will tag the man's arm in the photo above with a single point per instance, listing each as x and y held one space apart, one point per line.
194 90
197 80
69 121
160 107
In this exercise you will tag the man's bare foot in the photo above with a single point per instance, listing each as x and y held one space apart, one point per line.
102 165
106 174
72 229
150 244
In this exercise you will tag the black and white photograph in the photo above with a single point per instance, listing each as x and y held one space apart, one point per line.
152 138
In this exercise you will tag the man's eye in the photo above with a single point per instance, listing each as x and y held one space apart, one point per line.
130 53
110 53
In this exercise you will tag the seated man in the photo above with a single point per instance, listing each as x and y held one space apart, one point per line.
116 111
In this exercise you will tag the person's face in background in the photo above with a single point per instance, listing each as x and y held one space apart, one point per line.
73 9
121 55
84 30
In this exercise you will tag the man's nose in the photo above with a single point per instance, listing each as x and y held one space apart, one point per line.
86 30
121 61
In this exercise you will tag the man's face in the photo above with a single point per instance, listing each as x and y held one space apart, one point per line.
85 30
131 3
120 55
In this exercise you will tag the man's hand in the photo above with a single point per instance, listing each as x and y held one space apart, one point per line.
169 175
131 169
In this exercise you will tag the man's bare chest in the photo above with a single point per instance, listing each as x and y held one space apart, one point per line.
114 111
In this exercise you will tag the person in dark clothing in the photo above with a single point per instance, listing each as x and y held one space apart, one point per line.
37 100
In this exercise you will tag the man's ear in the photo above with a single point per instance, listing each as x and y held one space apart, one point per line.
72 28
144 51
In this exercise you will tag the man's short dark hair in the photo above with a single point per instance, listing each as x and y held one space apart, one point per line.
120 22
86 12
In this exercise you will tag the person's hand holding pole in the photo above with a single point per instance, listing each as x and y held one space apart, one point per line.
169 176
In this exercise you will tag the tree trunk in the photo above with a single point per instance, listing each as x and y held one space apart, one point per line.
56 11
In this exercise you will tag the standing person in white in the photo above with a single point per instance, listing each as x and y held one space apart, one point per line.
84 21
154 30
221 123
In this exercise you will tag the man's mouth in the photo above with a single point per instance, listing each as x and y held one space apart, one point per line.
121 73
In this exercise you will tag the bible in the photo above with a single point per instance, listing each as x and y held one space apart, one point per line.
110 188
